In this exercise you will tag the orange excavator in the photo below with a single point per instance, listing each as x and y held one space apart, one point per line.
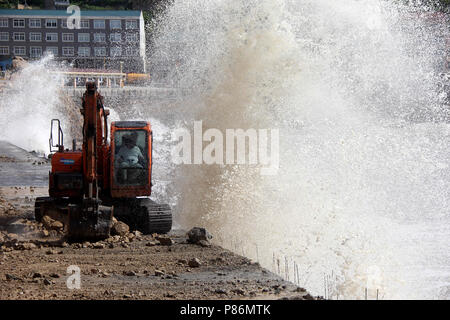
110 176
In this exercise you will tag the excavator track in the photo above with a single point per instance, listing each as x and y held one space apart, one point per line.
156 218
144 215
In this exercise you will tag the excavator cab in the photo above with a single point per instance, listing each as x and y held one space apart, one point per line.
131 154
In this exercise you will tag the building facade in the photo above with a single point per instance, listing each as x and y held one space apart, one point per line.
101 39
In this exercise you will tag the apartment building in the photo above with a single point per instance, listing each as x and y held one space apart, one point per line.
103 38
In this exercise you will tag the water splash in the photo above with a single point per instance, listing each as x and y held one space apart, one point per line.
352 86
29 102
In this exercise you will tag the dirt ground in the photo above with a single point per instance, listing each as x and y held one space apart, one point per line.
35 257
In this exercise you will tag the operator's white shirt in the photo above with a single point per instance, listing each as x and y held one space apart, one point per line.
130 157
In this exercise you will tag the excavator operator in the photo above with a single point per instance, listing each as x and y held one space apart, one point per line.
129 154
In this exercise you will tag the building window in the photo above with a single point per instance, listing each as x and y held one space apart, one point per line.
51 23
64 23
35 23
67 37
99 37
35 52
132 52
52 50
19 51
4 36
84 24
132 37
19 36
116 51
4 50
84 51
100 51
99 24
67 51
131 24
83 37
115 37
115 24
35 36
51 37
18 23
4 22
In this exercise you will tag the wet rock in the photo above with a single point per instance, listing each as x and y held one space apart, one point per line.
54 275
119 228
194 263
86 245
47 222
129 273
56 225
98 245
48 282
196 234
37 275
165 241
137 233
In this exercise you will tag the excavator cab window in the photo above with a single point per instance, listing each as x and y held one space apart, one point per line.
131 157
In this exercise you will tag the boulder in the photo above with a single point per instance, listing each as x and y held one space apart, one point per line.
196 234
165 241
194 263
98 245
120 229
56 225
47 222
